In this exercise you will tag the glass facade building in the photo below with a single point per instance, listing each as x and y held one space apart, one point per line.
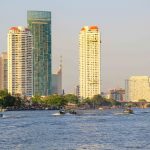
39 22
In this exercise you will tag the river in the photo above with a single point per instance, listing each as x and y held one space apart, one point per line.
89 130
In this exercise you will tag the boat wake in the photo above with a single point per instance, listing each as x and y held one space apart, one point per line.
122 113
56 114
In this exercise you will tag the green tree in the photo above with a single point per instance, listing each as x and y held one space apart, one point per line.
86 101
9 101
98 100
6 99
55 101
36 100
71 98
3 93
142 100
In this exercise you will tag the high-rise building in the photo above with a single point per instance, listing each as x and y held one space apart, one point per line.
39 22
89 67
137 88
57 82
77 91
3 71
20 47
0 73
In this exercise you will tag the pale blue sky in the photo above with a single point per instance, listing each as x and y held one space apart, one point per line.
125 33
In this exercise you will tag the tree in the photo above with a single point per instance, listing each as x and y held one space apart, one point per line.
98 100
36 100
142 100
55 101
142 103
6 99
114 102
3 94
70 98
9 101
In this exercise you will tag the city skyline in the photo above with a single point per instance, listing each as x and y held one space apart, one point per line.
125 36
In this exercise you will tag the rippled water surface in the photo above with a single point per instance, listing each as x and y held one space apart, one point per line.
90 130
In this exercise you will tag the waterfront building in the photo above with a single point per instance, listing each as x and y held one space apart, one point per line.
117 94
89 57
0 73
105 95
77 91
20 47
138 87
3 71
39 22
57 82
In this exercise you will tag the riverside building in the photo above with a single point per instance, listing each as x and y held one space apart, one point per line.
20 48
138 87
117 94
57 82
39 22
89 58
3 71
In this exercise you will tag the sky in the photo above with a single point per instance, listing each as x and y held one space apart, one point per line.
125 34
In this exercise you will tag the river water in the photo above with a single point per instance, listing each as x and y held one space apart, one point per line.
90 130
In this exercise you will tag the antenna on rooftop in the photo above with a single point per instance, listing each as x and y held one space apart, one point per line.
61 61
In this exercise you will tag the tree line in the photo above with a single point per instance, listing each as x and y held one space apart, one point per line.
52 101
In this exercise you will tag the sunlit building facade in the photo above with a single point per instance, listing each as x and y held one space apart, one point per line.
3 71
137 88
89 57
39 22
20 47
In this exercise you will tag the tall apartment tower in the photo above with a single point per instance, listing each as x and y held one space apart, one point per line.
3 71
20 47
89 43
138 87
39 22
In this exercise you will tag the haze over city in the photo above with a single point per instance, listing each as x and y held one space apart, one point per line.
124 28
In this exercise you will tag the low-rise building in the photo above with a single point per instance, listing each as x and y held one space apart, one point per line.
117 94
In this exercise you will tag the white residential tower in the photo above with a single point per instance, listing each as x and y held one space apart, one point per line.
89 43
20 61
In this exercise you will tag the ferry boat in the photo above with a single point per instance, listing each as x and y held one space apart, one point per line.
128 111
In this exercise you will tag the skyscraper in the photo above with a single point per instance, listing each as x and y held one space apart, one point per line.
89 40
138 87
20 61
57 82
3 71
39 22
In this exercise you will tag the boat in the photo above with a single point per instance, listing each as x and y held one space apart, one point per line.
101 108
73 112
128 111
62 111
